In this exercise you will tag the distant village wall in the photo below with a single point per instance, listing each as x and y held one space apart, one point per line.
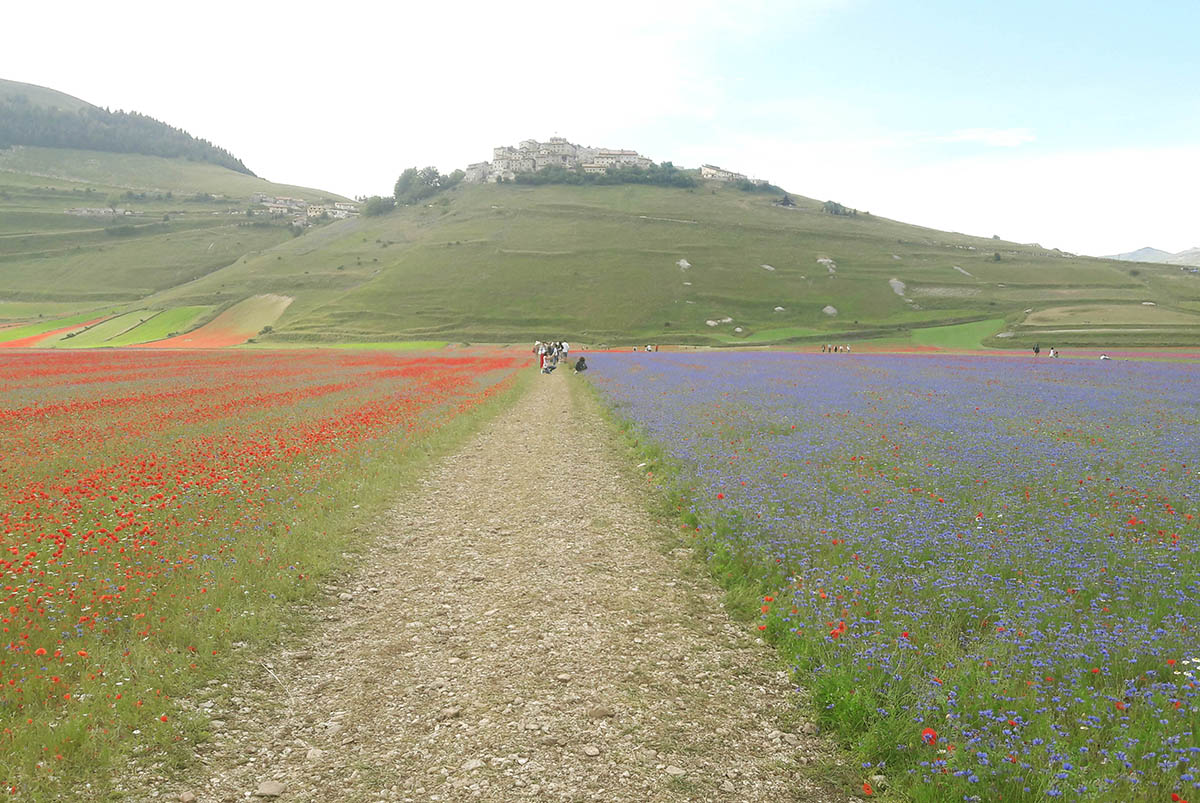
530 156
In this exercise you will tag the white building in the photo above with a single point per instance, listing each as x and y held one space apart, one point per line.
530 156
717 174
478 172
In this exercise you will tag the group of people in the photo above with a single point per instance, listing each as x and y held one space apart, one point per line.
550 353
833 348
1037 349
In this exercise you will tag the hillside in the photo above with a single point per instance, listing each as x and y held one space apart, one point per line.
84 231
164 248
713 265
41 117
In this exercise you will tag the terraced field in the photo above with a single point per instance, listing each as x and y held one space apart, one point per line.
508 263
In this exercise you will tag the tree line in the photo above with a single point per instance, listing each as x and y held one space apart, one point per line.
413 186
660 175
96 129
417 184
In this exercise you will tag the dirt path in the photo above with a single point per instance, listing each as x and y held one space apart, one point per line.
519 634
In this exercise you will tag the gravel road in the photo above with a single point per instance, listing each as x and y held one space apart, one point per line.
523 630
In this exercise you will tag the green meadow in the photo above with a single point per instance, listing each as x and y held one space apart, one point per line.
602 265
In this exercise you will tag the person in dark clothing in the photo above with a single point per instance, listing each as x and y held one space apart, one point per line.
580 365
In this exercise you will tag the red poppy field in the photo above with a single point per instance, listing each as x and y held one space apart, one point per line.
161 511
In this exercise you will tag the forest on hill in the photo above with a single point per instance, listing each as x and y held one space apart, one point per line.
24 122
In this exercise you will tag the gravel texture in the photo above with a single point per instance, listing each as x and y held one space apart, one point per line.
522 629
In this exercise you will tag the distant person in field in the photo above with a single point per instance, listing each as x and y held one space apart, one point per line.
1037 349
580 365
566 350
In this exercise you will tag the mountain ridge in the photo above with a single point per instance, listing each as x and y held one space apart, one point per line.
43 117
1190 256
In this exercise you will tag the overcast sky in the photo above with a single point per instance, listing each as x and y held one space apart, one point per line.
1071 124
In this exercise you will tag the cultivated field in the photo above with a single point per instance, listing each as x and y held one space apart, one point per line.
984 568
710 265
161 513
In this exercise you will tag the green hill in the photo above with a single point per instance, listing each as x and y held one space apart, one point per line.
41 117
598 264
712 265
78 225
172 244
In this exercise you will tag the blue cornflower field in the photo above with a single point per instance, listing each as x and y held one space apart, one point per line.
984 568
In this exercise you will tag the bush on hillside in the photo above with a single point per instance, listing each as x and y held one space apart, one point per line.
746 185
377 205
834 208
95 129
415 185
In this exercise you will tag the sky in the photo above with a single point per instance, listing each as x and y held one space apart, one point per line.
1075 125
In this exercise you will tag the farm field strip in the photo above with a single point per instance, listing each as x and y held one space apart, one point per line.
985 568
157 508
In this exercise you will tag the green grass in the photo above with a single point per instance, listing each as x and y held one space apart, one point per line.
386 345
163 324
97 335
957 336
511 263
19 332
124 171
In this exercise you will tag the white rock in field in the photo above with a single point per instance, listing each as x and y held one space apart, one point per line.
829 309
766 267
779 309
269 789
683 264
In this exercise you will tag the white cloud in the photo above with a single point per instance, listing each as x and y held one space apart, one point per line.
345 97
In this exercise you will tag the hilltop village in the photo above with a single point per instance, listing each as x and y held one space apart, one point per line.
530 156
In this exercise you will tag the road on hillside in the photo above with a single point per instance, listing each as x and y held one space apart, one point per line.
523 630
